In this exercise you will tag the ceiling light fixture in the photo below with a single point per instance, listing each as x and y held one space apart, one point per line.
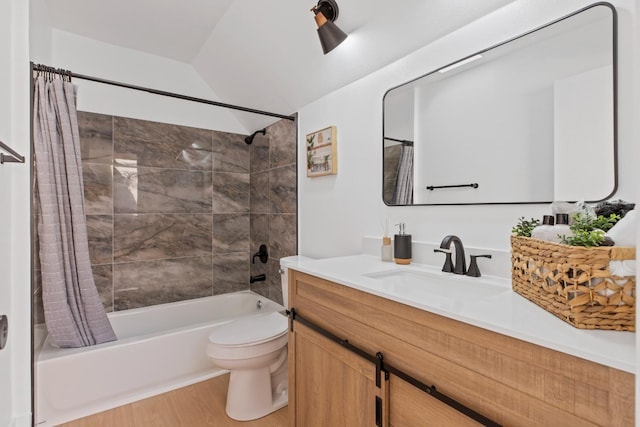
326 12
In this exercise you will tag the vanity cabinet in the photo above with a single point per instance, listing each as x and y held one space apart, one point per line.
509 381
334 387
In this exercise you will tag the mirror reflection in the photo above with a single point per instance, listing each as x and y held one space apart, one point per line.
531 120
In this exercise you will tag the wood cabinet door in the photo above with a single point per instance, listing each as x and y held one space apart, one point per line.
410 406
332 386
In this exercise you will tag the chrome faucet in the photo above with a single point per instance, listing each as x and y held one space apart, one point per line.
460 266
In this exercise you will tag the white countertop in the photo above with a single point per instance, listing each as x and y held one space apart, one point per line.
501 311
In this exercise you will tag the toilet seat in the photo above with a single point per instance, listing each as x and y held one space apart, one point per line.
249 337
249 330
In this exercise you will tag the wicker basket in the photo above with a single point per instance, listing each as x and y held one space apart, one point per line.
574 283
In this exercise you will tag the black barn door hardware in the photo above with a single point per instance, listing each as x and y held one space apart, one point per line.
295 317
381 366
376 360
431 390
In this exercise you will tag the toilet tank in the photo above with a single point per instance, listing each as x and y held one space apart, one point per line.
285 263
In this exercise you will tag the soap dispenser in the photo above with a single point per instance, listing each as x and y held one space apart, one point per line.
402 246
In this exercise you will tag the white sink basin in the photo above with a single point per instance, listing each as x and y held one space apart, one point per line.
446 290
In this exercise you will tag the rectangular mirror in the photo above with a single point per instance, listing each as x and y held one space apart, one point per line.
531 120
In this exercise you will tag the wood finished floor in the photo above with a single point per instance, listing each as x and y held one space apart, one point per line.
200 404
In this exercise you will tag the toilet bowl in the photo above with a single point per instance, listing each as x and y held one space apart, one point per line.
254 350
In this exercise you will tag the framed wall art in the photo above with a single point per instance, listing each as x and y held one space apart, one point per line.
322 152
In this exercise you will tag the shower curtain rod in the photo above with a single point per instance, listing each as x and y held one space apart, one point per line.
45 68
403 141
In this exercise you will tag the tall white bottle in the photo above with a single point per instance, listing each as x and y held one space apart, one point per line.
545 230
561 228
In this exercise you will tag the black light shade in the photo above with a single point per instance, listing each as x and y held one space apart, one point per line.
326 11
330 36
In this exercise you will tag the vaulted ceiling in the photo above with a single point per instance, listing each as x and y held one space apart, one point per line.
266 54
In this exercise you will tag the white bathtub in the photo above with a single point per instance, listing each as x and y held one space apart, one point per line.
159 348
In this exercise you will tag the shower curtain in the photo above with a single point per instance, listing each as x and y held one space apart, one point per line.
74 314
403 193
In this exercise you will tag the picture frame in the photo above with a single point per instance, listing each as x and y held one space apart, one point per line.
322 152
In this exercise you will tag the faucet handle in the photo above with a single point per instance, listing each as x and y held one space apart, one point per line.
262 253
474 271
448 263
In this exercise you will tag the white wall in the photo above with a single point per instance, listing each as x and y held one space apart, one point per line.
583 118
15 359
40 37
336 211
503 103
6 190
93 58
399 115
487 109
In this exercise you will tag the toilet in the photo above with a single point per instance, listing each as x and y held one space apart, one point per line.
254 350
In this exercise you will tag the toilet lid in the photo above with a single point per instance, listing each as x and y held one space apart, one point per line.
250 330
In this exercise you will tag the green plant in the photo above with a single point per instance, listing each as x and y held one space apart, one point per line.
589 231
605 223
310 151
584 238
525 227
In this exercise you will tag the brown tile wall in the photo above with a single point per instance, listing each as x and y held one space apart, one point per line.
273 202
175 213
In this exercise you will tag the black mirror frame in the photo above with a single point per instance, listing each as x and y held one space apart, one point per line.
614 17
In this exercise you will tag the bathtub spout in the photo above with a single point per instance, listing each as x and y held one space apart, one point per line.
258 278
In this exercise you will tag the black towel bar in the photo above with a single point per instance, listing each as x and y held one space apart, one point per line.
472 185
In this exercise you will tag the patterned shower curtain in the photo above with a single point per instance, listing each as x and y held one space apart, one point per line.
74 314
